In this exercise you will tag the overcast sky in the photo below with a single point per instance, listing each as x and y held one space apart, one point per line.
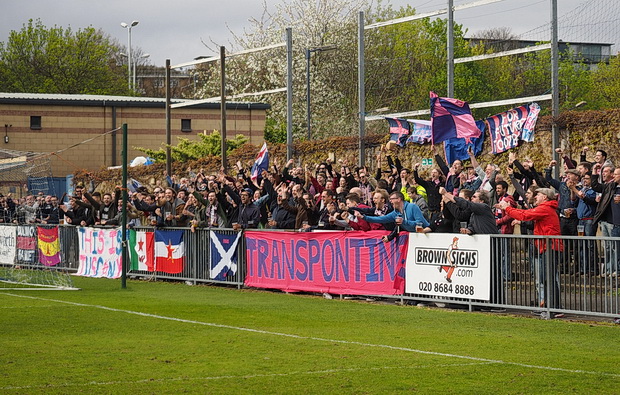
174 29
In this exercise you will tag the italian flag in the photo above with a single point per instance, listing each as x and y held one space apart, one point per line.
141 250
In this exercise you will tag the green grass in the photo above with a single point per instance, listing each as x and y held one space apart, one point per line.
339 346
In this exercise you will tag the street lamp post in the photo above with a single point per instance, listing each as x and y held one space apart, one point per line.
309 52
128 27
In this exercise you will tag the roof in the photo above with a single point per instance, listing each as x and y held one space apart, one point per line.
113 101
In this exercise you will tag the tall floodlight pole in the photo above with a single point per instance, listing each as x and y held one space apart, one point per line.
361 99
289 93
223 103
168 118
450 48
124 251
555 94
129 27
308 116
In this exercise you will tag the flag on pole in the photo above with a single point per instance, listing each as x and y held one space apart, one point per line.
399 130
49 246
451 118
261 163
508 127
169 251
223 254
420 131
457 148
141 249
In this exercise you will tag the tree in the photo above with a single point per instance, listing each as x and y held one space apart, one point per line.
607 81
57 60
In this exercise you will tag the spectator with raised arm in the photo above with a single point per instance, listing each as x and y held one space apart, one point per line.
567 207
405 215
605 216
586 208
452 174
482 219
431 186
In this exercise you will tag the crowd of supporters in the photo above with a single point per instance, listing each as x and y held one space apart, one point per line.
339 196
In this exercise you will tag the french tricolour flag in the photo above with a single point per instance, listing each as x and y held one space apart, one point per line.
261 163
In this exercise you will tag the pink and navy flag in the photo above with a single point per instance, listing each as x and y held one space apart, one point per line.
261 163
399 130
457 148
509 127
420 131
169 251
451 118
223 254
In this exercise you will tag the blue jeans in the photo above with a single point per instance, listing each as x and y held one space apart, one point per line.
611 252
587 248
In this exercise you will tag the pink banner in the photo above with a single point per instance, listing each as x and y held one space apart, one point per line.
353 263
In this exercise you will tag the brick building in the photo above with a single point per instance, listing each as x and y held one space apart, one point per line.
54 122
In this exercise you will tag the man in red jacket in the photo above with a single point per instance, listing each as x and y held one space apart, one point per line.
547 223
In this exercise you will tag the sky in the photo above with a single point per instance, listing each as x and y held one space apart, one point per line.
174 29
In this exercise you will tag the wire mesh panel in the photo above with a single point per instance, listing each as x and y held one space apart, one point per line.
37 261
25 168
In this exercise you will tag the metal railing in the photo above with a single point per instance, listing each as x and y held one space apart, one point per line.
563 274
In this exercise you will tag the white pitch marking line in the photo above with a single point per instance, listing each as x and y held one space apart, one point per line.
249 376
498 361
30 306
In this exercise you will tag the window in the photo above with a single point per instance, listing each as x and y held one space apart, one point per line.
35 122
186 125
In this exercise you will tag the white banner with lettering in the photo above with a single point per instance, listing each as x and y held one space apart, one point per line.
7 244
100 252
449 265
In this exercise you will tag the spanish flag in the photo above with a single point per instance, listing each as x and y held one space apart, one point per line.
49 246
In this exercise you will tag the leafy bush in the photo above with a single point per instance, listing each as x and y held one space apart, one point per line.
186 149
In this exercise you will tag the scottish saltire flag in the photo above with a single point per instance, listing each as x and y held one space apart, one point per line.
399 130
420 131
223 254
261 163
49 246
457 148
451 118
507 128
141 250
169 251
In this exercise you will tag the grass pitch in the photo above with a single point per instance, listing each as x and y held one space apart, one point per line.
156 337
